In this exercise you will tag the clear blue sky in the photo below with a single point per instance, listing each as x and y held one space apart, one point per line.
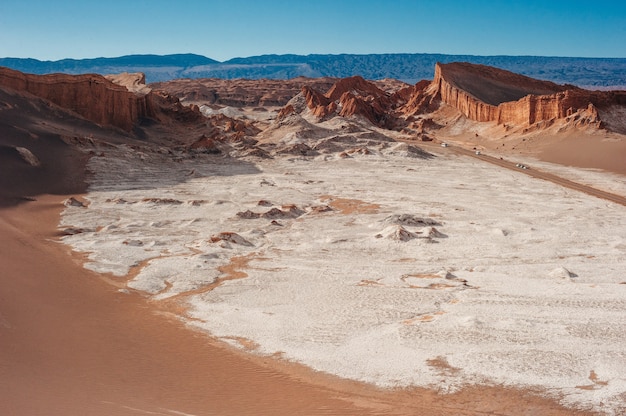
224 29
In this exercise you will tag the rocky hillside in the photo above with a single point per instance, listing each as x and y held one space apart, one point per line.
240 92
99 99
347 97
478 92
485 93
91 96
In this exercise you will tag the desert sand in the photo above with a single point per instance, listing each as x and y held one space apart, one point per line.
73 345
348 274
369 269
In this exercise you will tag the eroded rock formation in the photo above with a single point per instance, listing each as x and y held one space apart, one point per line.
486 94
121 101
240 92
134 82
91 96
354 96
478 92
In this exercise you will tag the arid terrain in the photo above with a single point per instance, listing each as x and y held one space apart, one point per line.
312 246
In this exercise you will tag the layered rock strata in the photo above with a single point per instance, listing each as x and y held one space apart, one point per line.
91 96
486 94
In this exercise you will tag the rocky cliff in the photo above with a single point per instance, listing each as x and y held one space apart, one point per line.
481 93
485 93
91 96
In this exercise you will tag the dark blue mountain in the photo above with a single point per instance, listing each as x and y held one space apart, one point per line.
588 72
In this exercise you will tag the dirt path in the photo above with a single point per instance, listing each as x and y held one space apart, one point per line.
618 199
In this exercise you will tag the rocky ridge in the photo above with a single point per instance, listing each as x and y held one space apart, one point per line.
217 92
478 92
102 100
352 118
91 96
240 92
354 96
488 94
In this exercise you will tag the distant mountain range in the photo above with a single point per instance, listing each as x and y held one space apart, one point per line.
586 72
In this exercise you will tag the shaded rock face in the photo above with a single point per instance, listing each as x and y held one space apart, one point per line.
415 99
91 96
121 101
485 94
166 108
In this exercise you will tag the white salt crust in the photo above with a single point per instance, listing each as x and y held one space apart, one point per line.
522 282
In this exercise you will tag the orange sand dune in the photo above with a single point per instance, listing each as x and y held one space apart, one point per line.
73 345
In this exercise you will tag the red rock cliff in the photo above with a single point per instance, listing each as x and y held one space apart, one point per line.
91 96
485 93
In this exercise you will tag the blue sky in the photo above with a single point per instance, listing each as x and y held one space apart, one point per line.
224 29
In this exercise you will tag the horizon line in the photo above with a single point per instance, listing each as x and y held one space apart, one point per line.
308 55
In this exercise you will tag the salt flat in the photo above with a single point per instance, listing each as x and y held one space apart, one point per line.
384 268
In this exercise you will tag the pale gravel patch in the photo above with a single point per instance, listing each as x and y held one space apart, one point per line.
322 289
596 178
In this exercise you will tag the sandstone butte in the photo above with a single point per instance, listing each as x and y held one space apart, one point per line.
99 99
484 93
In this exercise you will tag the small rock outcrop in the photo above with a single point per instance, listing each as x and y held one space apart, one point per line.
205 145
351 96
73 202
561 273
411 220
28 156
230 237
285 212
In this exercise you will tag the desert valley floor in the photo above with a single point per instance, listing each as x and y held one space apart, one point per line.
237 247
392 267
